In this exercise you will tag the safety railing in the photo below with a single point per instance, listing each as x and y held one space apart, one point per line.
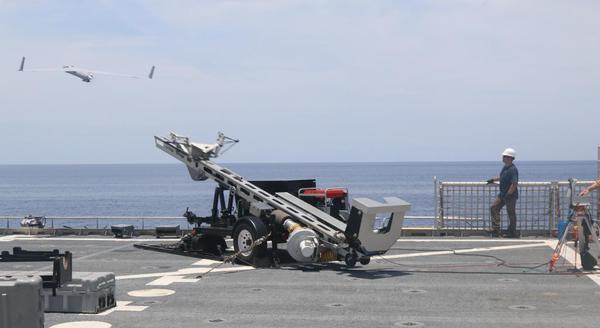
101 224
465 206
93 223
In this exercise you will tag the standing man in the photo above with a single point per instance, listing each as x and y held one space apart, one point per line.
509 180
592 187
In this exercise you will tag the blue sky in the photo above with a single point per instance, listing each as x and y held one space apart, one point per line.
302 81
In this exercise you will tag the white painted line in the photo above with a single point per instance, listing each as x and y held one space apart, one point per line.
107 312
83 324
466 240
151 292
200 270
188 271
408 239
206 262
470 250
166 281
124 307
45 238
570 254
102 252
184 272
159 274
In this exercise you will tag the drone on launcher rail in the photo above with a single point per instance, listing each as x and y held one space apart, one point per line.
315 224
85 75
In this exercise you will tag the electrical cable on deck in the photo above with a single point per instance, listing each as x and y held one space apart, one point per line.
501 262
231 258
579 273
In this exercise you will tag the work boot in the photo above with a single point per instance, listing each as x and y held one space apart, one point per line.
494 233
511 234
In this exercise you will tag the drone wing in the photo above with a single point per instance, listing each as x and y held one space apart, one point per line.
44 70
150 76
105 73
22 68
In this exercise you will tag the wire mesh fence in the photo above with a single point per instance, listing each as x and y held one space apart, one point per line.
96 223
465 206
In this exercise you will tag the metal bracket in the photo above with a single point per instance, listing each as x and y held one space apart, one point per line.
62 270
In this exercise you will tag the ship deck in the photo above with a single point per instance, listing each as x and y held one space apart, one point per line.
420 282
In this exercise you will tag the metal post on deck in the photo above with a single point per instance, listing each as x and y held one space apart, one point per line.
436 204
598 192
554 208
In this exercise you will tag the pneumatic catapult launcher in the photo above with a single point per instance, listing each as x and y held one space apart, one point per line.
315 224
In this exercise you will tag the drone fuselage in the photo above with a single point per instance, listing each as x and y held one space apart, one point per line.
85 77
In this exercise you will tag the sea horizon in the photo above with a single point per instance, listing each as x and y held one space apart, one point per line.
166 189
340 162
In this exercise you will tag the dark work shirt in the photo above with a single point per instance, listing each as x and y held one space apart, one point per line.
508 176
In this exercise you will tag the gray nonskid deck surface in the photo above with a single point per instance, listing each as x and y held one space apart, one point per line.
418 288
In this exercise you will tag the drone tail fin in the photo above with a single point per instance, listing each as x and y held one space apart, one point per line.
151 75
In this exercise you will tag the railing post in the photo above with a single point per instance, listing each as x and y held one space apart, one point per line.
598 165
598 192
142 223
554 208
97 225
436 204
440 224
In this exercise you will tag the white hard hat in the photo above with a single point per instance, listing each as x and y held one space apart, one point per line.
509 152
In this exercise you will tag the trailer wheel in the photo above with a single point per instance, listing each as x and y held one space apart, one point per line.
244 235
365 260
350 260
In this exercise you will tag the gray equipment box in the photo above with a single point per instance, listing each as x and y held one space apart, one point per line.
122 230
21 302
168 230
88 292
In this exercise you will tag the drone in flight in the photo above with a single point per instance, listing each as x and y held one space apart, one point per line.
85 75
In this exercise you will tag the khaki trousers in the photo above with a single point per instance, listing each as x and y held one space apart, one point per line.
511 205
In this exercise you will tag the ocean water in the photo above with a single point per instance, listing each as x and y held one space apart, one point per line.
167 190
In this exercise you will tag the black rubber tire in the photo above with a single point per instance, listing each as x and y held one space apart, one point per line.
365 260
244 235
350 260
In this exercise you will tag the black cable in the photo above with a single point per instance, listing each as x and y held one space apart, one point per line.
501 261
578 273
454 252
